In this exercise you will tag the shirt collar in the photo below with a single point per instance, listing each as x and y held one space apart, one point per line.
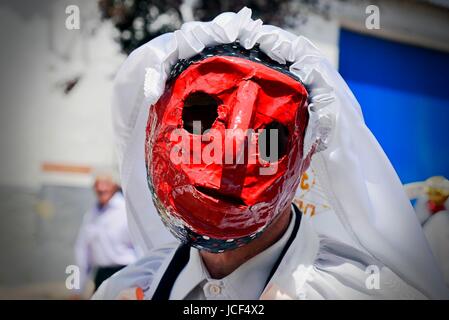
115 201
253 272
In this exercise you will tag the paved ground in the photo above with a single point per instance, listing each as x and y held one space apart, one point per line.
37 231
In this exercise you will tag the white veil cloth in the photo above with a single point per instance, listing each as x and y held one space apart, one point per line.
355 176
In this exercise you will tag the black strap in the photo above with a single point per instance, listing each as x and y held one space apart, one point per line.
182 256
292 237
178 262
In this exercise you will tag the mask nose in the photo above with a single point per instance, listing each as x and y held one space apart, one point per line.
236 139
244 105
241 117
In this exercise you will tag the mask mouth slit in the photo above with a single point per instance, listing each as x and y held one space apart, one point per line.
222 197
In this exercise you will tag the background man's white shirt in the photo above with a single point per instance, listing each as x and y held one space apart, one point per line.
104 239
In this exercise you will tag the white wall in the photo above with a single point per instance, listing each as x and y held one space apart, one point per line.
414 22
38 122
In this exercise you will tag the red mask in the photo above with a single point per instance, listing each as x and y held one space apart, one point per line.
221 205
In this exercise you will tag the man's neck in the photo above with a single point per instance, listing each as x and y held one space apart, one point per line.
220 265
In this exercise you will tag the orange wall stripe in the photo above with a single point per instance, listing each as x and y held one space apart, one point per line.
65 168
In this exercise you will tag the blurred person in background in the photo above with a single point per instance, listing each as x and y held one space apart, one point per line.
432 209
433 198
103 244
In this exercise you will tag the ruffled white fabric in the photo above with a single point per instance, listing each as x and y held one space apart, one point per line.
356 177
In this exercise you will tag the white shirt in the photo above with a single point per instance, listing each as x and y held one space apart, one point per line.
314 267
195 283
103 239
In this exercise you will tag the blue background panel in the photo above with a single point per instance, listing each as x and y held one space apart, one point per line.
404 94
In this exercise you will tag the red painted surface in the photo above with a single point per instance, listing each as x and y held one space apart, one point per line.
239 200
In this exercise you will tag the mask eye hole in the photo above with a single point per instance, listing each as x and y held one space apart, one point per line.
265 138
202 107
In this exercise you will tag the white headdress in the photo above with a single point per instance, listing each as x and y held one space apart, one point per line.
357 178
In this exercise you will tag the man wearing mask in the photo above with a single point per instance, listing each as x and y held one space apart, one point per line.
225 116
